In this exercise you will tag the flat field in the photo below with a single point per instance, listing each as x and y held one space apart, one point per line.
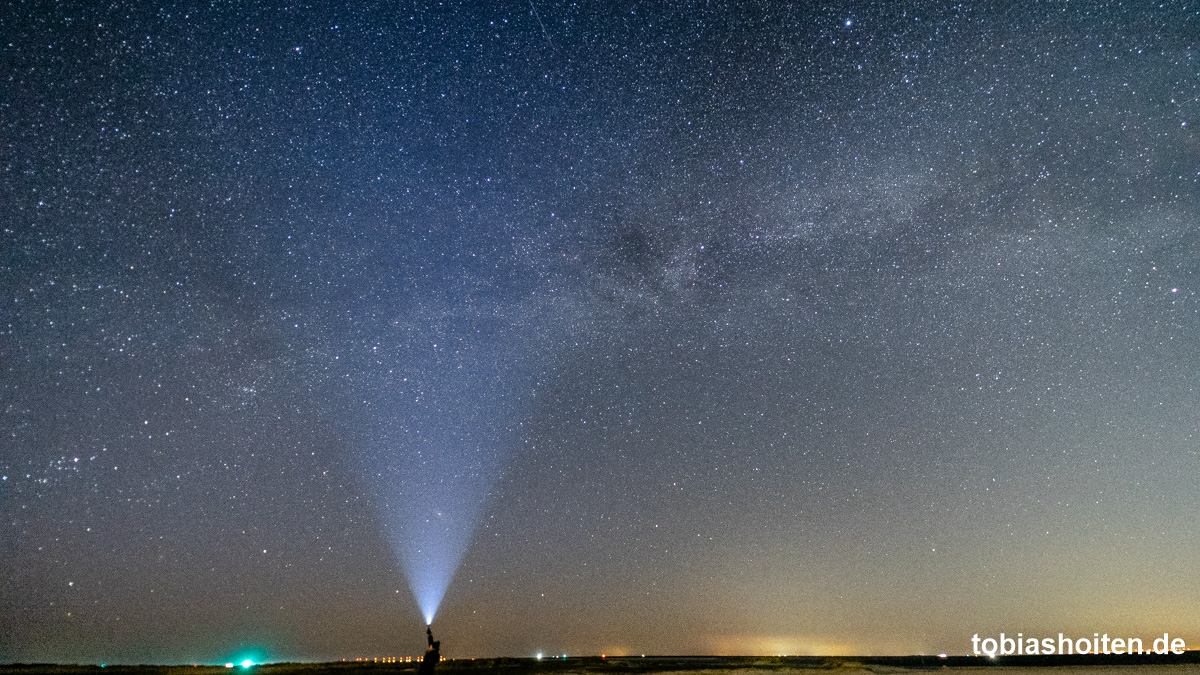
1185 664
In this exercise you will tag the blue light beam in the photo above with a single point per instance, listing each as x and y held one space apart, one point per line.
432 502
441 437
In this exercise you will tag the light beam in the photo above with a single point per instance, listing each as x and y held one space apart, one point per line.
450 419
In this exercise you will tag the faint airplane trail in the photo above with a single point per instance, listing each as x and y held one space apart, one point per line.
539 20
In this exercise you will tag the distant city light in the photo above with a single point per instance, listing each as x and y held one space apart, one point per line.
539 656
247 663
228 665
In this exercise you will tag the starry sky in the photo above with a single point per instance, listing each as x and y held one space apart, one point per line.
718 327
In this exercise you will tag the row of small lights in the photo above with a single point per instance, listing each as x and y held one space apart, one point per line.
408 659
388 659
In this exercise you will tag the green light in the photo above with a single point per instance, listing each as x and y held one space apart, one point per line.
246 657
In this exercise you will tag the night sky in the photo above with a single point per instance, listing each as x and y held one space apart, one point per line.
707 327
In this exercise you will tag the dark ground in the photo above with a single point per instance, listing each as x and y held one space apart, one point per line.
711 665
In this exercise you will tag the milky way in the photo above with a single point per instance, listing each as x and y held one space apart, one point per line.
722 327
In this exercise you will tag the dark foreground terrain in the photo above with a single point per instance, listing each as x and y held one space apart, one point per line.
1184 664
